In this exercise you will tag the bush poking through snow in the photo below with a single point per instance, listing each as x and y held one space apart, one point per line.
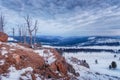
79 62
96 61
115 56
110 66
113 65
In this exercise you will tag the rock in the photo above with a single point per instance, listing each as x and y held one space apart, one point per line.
58 68
3 37
61 66
85 65
71 69
17 58
25 45
45 51
21 58
37 45
73 59
80 62
53 67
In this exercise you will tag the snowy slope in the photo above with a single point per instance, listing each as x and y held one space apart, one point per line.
98 71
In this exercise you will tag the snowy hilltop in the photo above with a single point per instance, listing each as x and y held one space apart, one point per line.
26 63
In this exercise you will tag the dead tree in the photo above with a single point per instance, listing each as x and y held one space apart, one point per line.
36 28
13 32
20 33
30 27
2 23
24 34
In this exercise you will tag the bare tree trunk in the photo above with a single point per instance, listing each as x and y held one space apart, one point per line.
20 33
30 26
2 23
13 31
24 33
24 38
31 39
36 28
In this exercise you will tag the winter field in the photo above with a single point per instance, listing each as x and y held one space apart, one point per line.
104 60
98 71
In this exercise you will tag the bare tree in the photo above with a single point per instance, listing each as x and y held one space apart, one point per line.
13 32
24 34
20 33
36 28
30 27
2 23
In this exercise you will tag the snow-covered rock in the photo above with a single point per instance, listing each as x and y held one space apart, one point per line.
3 37
28 64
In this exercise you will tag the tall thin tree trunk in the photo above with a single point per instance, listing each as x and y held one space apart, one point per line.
2 23
31 40
13 31
24 39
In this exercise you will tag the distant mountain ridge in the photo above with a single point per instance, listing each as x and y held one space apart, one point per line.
77 41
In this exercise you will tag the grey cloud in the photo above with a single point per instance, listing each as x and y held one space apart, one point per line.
68 16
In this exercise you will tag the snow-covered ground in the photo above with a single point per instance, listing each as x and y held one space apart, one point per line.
104 60
86 47
11 39
98 71
16 74
48 56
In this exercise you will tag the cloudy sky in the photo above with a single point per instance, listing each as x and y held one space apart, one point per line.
65 17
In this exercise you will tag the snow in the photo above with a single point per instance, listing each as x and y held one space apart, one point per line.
15 45
90 38
16 74
2 62
87 47
0 42
104 60
107 40
37 77
46 46
4 52
48 57
102 47
12 44
12 49
40 52
11 39
3 48
51 60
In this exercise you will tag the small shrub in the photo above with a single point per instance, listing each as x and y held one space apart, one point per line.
113 64
96 62
115 56
84 61
110 66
